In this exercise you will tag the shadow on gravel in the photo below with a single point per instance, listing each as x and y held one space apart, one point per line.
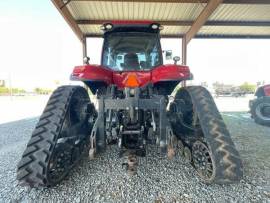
158 179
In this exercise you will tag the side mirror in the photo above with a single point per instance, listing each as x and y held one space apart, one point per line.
86 60
168 54
176 59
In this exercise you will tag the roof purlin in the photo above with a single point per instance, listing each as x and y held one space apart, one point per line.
189 1
186 23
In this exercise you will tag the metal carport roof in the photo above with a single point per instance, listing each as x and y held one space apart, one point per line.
228 18
181 18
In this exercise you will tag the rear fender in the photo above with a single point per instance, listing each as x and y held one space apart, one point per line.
170 73
266 90
92 73
263 91
163 77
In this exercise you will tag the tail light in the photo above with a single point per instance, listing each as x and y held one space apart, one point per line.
132 81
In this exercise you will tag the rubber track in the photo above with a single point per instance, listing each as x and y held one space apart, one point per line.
32 168
228 166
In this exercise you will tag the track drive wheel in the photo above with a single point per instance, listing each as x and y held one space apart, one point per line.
59 139
199 124
260 110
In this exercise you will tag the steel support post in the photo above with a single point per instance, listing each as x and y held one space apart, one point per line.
84 46
184 50
184 54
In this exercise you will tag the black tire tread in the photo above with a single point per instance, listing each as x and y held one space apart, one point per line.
227 161
32 168
256 117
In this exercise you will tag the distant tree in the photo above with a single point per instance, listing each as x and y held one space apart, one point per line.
37 90
4 90
18 91
42 91
248 87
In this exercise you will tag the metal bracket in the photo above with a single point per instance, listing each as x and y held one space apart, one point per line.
66 2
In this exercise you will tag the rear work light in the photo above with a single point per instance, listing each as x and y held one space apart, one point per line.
156 26
132 81
107 26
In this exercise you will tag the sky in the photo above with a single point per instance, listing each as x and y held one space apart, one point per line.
37 49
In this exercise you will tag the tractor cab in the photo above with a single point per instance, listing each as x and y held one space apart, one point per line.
132 52
131 48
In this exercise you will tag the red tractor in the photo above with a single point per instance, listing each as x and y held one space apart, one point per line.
260 107
133 87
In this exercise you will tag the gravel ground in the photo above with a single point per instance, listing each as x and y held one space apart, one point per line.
158 179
